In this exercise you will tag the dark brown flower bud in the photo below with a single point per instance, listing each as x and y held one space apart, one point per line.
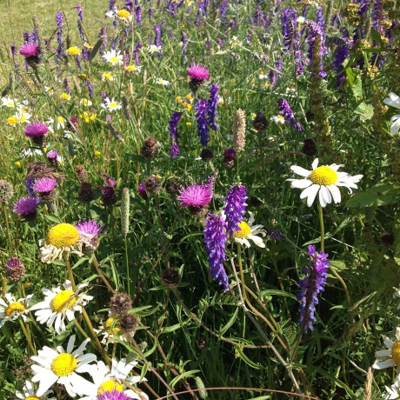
15 269
260 123
128 323
150 148
387 239
206 155
81 173
86 193
200 211
254 202
202 343
109 196
173 187
153 184
309 147
120 304
47 197
170 277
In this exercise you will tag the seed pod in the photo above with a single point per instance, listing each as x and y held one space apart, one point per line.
125 211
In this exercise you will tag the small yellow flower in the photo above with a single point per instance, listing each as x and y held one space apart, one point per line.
97 153
83 77
107 77
27 285
178 99
88 116
188 107
183 25
62 235
123 14
188 124
189 97
65 96
12 121
73 51
18 163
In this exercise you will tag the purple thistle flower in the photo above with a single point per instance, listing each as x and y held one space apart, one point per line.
51 155
138 15
215 239
113 395
29 50
235 208
201 109
44 185
89 230
213 107
80 12
311 285
198 75
287 112
196 196
26 207
36 132
142 191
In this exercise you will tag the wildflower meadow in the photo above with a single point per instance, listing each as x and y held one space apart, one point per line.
200 200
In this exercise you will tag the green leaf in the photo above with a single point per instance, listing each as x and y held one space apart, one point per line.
247 360
230 322
187 374
276 292
375 35
365 111
376 196
172 328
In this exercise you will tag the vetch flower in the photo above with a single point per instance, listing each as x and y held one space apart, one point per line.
61 238
30 393
246 230
287 113
63 366
391 356
114 57
311 285
394 101
201 108
60 304
11 309
215 240
235 207
324 179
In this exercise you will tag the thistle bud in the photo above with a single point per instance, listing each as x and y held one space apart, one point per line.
150 148
170 277
81 173
128 323
153 184
15 269
120 304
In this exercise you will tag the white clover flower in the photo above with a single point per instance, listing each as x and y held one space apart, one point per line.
29 393
113 57
249 231
60 304
63 367
11 309
324 180
389 357
106 380
394 101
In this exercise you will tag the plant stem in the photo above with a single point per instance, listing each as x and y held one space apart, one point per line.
239 254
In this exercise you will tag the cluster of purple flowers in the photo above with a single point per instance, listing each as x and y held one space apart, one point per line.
235 207
287 112
201 109
316 54
173 133
311 286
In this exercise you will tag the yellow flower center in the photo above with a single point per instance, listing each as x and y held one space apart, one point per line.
64 364
12 121
64 300
324 176
73 51
109 386
130 68
396 352
244 230
114 59
63 235
60 120
22 118
113 105
123 14
32 398
107 76
65 96
14 307
113 330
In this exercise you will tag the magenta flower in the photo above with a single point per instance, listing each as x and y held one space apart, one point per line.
89 229
36 132
26 207
142 190
196 196
29 50
51 155
113 395
197 75
44 185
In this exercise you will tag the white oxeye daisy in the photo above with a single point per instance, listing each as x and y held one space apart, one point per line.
324 179
394 101
124 16
107 76
393 391
111 105
8 102
30 393
85 102
11 309
114 57
278 119
249 231
163 82
153 49
63 367
391 356
108 381
58 304
133 68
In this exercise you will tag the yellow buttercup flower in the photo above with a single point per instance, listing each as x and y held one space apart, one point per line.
97 153
65 96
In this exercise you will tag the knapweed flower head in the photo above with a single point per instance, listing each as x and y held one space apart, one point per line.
246 231
59 304
63 366
311 286
113 395
60 238
324 180
142 191
29 50
215 241
389 357
15 269
196 197
198 75
36 132
229 159
108 380
128 323
45 189
235 207
11 309
120 304
89 232
394 101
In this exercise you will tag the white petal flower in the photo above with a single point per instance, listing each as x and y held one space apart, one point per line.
278 119
111 105
394 101
324 181
29 393
153 49
60 304
63 367
114 57
160 81
249 231
389 357
116 379
11 309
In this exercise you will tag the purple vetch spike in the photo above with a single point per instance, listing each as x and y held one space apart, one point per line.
184 46
311 286
289 16
138 15
136 52
158 35
215 240
201 109
174 150
213 107
173 132
287 112
223 8
80 12
235 207
129 6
